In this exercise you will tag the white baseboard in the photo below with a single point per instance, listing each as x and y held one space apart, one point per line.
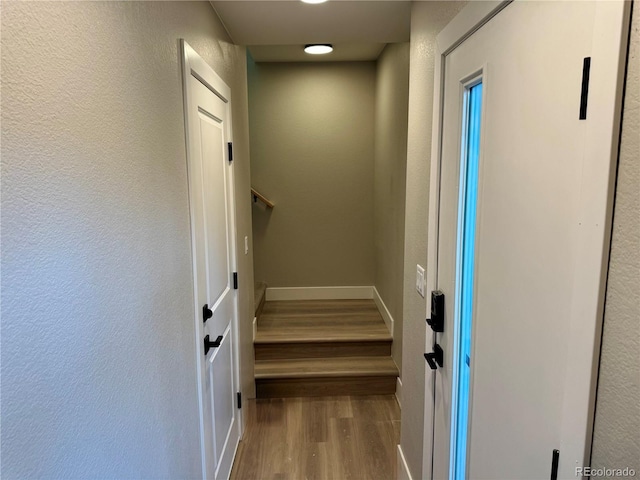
319 293
403 472
399 392
384 311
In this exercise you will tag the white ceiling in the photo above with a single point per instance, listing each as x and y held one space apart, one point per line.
276 31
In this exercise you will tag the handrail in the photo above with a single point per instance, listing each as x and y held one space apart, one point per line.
258 196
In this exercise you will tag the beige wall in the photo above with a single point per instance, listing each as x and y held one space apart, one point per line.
312 154
427 19
98 356
390 170
616 442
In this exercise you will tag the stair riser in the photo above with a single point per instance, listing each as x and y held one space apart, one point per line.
318 387
275 351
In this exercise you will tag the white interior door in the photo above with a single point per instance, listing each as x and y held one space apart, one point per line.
212 215
522 234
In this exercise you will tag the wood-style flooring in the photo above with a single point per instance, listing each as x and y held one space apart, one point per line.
319 438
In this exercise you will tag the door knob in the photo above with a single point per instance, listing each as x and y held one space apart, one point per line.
435 359
207 313
208 344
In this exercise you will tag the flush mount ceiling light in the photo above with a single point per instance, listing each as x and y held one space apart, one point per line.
318 48
314 1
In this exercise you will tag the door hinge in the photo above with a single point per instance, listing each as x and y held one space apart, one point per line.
230 147
239 397
235 280
584 93
555 459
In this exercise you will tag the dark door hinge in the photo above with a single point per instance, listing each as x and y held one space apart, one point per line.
235 280
230 147
584 93
555 459
239 398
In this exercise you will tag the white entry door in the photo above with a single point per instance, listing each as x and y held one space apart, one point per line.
210 170
529 136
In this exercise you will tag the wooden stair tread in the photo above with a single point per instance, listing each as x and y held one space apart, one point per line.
325 336
307 307
312 321
325 367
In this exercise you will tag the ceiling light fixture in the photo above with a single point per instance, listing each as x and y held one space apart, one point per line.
314 1
318 49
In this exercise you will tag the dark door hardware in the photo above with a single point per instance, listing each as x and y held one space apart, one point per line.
239 399
235 280
436 322
230 149
435 359
555 459
208 344
584 91
207 313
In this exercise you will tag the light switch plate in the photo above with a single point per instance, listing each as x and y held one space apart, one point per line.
420 280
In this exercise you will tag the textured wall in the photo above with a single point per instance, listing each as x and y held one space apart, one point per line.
390 170
312 154
616 441
98 362
427 19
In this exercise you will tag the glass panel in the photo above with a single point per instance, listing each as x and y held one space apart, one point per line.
465 279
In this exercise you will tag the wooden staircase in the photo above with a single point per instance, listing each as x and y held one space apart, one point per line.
323 347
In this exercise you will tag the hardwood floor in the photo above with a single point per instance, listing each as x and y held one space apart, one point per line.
319 438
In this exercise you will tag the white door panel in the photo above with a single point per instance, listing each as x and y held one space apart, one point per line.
213 223
224 406
529 58
215 204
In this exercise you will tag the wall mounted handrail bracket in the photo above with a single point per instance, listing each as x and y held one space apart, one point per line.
258 196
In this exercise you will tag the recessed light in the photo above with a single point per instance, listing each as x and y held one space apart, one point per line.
314 1
318 49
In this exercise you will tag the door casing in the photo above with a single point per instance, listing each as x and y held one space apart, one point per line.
595 213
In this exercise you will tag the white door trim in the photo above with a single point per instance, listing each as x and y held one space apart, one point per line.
593 234
194 65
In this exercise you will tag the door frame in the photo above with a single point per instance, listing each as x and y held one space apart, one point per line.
595 213
194 65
